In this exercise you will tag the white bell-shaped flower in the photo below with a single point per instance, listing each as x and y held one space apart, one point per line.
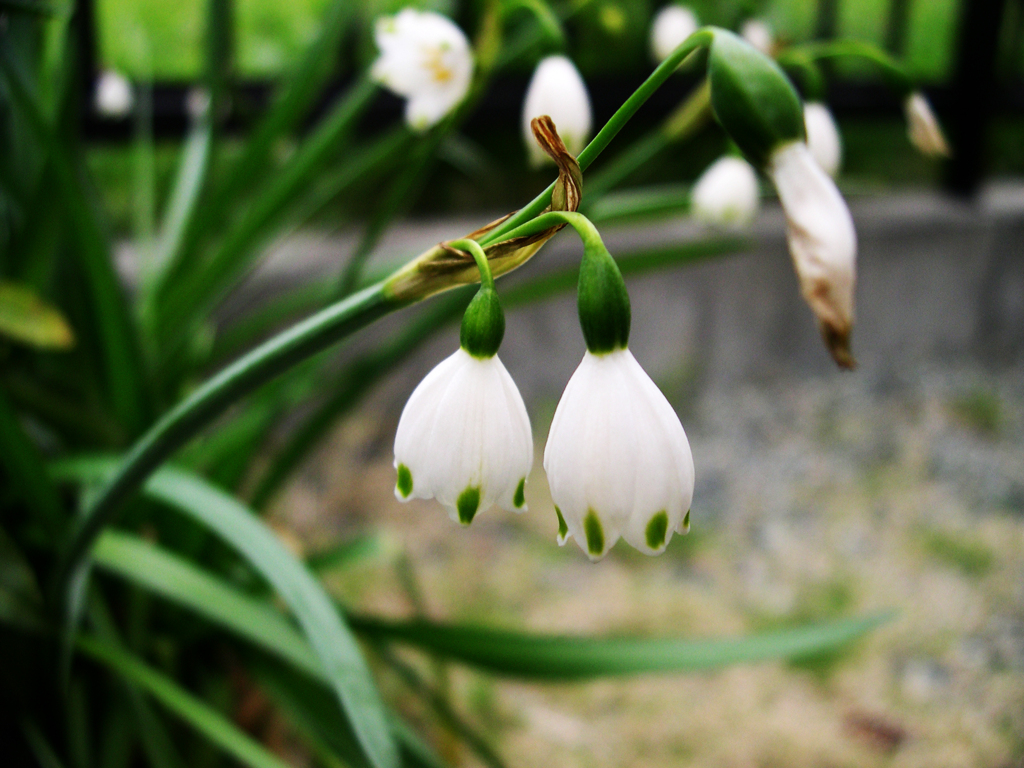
113 96
464 438
617 459
822 241
557 90
923 127
426 58
759 35
727 193
823 137
672 25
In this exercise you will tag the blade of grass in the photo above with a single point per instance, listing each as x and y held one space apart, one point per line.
26 471
642 203
322 624
194 711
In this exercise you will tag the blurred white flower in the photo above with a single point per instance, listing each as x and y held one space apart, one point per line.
426 58
672 25
464 438
114 96
922 126
727 193
557 90
822 242
617 459
823 137
759 35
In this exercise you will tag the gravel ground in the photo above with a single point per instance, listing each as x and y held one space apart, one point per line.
815 499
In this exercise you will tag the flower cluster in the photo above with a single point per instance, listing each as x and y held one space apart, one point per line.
617 458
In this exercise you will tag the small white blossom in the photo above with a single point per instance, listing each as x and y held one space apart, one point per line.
727 193
464 438
617 459
922 126
114 96
672 25
823 137
557 90
759 35
822 240
426 58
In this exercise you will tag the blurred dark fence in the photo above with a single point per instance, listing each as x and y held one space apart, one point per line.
987 81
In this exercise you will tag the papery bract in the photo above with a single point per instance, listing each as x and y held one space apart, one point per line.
672 25
822 242
464 438
823 137
557 90
617 459
426 58
727 193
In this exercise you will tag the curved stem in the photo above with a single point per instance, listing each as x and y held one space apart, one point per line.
196 412
474 249
584 227
893 73
597 145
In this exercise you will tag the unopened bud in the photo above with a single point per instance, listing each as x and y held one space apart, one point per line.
557 90
823 137
727 193
672 25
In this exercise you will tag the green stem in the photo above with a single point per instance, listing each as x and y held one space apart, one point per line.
891 71
196 412
615 124
474 249
584 227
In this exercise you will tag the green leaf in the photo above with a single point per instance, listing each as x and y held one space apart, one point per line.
564 657
26 470
121 351
333 643
189 708
21 603
27 318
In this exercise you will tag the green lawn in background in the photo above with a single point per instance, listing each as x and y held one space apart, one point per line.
165 38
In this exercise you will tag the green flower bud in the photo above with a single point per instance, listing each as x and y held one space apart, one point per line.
483 325
603 301
752 98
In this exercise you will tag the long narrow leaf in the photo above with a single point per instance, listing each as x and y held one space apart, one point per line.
121 350
26 470
334 644
189 708
553 657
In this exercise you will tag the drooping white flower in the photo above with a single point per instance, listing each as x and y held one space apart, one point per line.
822 241
617 459
557 90
672 25
759 35
464 438
922 126
426 58
114 96
823 137
727 193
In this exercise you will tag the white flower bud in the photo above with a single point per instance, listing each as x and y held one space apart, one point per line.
464 438
557 90
114 96
617 459
822 242
425 58
759 35
922 126
672 25
727 193
823 137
